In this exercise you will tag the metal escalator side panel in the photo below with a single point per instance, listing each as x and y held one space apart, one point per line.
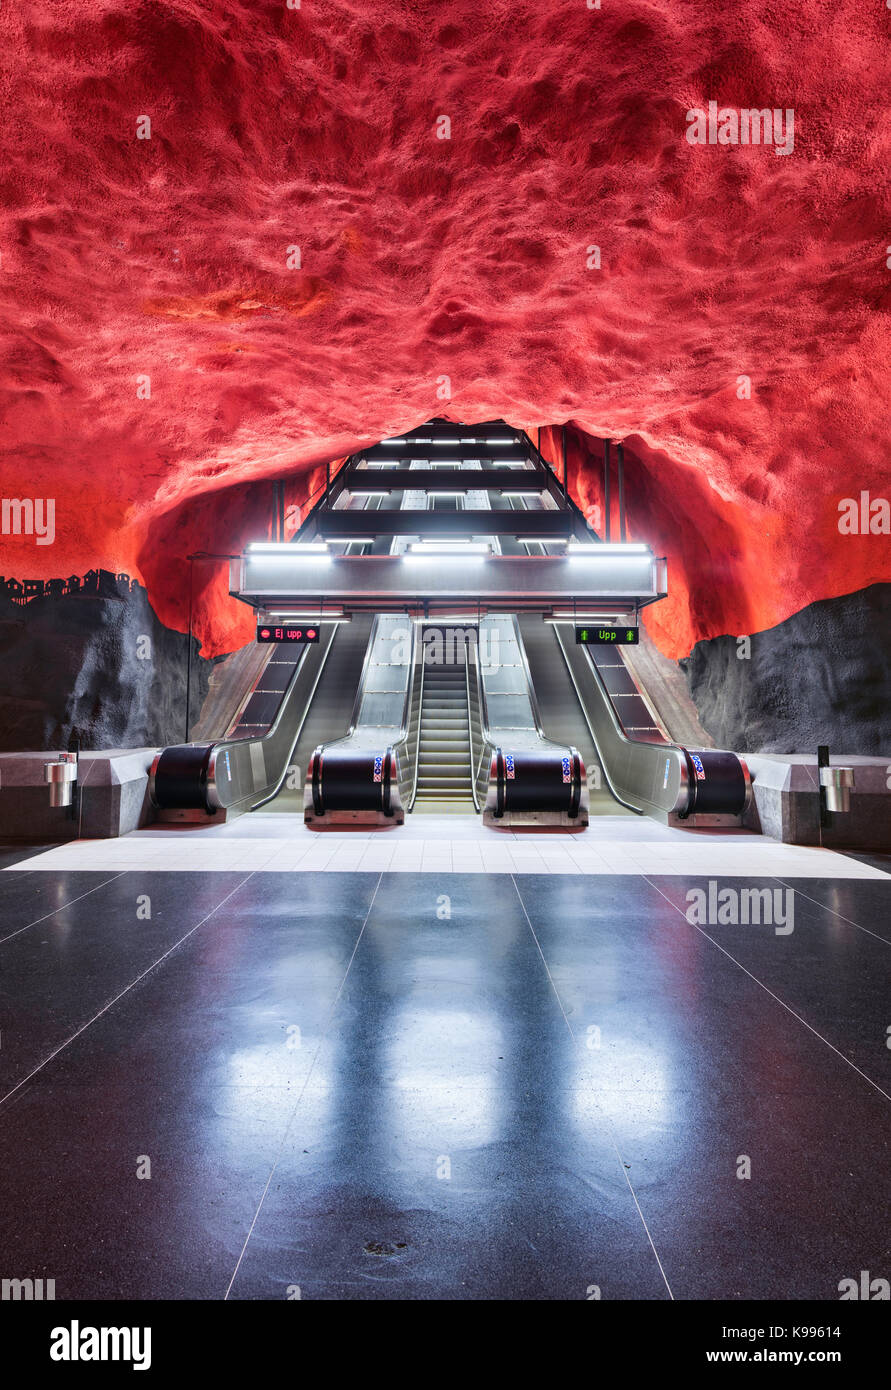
290 744
659 776
645 776
362 771
530 773
252 770
332 708
652 773
470 655
230 772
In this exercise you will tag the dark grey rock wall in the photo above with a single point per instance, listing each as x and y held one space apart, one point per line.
822 676
103 666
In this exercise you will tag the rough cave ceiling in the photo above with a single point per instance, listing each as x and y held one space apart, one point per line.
170 260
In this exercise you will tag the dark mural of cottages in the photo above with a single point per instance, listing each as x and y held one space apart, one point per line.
98 582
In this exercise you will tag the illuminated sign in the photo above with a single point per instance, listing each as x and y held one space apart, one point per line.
607 636
288 634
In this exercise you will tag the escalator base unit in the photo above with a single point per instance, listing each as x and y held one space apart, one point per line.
179 778
547 783
345 783
718 782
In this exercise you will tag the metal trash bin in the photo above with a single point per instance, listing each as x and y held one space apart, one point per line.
61 777
837 783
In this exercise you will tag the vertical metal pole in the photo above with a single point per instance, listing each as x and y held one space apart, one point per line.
327 482
822 761
563 443
189 665
606 496
73 812
620 473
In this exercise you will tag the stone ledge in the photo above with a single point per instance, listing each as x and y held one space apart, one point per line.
113 796
786 801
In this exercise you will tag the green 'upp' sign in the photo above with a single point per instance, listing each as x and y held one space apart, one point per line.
607 636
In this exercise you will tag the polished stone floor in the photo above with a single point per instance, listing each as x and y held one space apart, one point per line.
438 1084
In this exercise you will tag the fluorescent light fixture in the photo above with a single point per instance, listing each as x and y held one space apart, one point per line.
351 540
310 618
287 550
468 619
610 619
595 548
292 611
365 492
466 547
425 439
421 549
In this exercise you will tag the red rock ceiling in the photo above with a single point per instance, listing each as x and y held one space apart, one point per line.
421 258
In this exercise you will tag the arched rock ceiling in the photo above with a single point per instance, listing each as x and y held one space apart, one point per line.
467 258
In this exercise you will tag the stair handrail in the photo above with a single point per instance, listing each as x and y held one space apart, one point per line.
473 773
419 656
481 772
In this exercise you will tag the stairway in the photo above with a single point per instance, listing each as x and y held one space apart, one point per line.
444 755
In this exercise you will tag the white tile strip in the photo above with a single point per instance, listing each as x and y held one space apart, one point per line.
278 843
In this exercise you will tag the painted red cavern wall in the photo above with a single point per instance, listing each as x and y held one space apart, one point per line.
123 259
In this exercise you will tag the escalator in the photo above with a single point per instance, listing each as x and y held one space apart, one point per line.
368 774
512 723
560 714
300 694
590 693
330 714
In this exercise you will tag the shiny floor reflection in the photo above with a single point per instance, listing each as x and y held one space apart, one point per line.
367 1086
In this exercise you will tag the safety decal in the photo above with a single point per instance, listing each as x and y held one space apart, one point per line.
378 766
509 765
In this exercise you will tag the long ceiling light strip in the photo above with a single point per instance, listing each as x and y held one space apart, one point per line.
421 550
287 550
424 439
